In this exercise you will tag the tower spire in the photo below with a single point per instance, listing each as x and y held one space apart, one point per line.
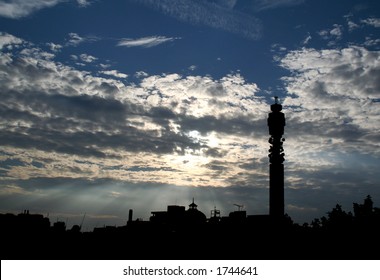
276 124
193 205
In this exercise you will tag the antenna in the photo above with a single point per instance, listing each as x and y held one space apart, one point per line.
80 227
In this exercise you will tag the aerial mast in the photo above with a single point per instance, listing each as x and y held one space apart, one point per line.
276 124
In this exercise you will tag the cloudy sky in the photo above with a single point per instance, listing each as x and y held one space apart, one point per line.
107 106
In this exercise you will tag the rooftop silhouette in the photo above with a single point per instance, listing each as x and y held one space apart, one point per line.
182 233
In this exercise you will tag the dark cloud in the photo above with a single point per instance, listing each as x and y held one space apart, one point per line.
149 169
162 116
243 125
217 165
255 164
215 152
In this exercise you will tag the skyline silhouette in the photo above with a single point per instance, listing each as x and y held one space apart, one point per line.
188 234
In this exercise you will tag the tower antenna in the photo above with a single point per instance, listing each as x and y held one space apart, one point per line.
81 224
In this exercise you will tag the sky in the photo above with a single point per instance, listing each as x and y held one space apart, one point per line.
111 105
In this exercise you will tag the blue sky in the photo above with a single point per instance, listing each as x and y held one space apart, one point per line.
112 105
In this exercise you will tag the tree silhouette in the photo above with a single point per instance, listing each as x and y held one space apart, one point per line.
339 219
365 209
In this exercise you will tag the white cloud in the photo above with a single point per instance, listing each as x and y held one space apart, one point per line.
54 47
369 42
105 66
16 9
115 74
87 58
306 40
272 4
324 34
354 64
375 22
337 31
145 42
334 95
8 40
84 3
37 53
332 34
20 8
230 4
352 25
201 96
215 14
75 39
140 74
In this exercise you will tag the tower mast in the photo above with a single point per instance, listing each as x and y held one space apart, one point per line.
276 124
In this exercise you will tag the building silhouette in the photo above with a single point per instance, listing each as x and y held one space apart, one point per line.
176 218
276 123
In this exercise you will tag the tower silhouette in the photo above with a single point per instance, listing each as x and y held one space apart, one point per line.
276 123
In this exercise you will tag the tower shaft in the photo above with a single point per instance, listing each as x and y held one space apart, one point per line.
276 124
276 190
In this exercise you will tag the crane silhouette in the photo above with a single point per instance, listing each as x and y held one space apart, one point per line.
240 207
